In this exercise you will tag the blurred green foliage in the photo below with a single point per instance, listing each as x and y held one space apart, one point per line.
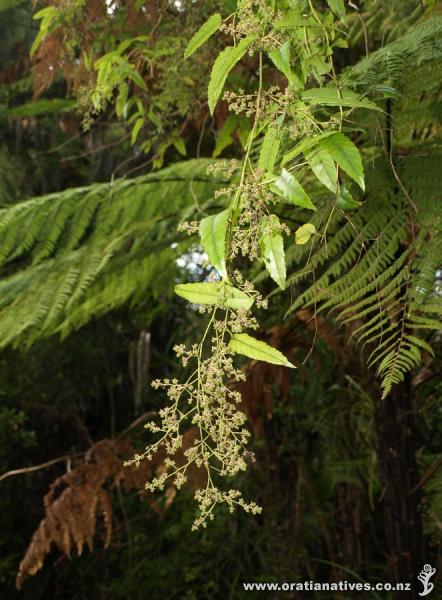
316 471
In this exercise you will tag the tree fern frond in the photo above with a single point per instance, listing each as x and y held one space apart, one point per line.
379 272
86 251
421 44
383 281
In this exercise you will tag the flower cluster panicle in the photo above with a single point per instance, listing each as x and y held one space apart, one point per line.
208 402
241 103
227 191
223 168
256 18
249 231
190 227
208 500
269 104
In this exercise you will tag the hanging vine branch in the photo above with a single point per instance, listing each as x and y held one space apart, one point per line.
298 42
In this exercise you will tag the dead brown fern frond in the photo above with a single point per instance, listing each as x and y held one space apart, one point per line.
77 498
74 501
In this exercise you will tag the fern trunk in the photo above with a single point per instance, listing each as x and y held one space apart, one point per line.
402 498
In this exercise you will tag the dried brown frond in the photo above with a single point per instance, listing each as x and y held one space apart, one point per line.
63 49
74 502
77 498
47 62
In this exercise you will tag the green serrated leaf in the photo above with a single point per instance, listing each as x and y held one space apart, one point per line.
340 43
345 200
206 30
338 7
121 100
37 41
213 294
304 233
272 249
242 343
48 16
213 230
306 144
224 137
293 190
323 167
154 119
136 78
222 66
136 130
292 18
334 97
344 152
318 65
180 146
281 59
269 149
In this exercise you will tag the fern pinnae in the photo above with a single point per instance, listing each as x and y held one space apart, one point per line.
380 293
51 232
394 365
418 322
62 294
80 221
367 275
428 308
90 267
372 302
382 348
375 328
421 343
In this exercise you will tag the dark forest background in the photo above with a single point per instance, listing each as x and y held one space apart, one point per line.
351 486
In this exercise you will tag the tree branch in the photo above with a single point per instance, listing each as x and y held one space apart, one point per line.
39 467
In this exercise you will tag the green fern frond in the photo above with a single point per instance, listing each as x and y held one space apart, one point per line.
89 250
379 270
379 273
393 63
